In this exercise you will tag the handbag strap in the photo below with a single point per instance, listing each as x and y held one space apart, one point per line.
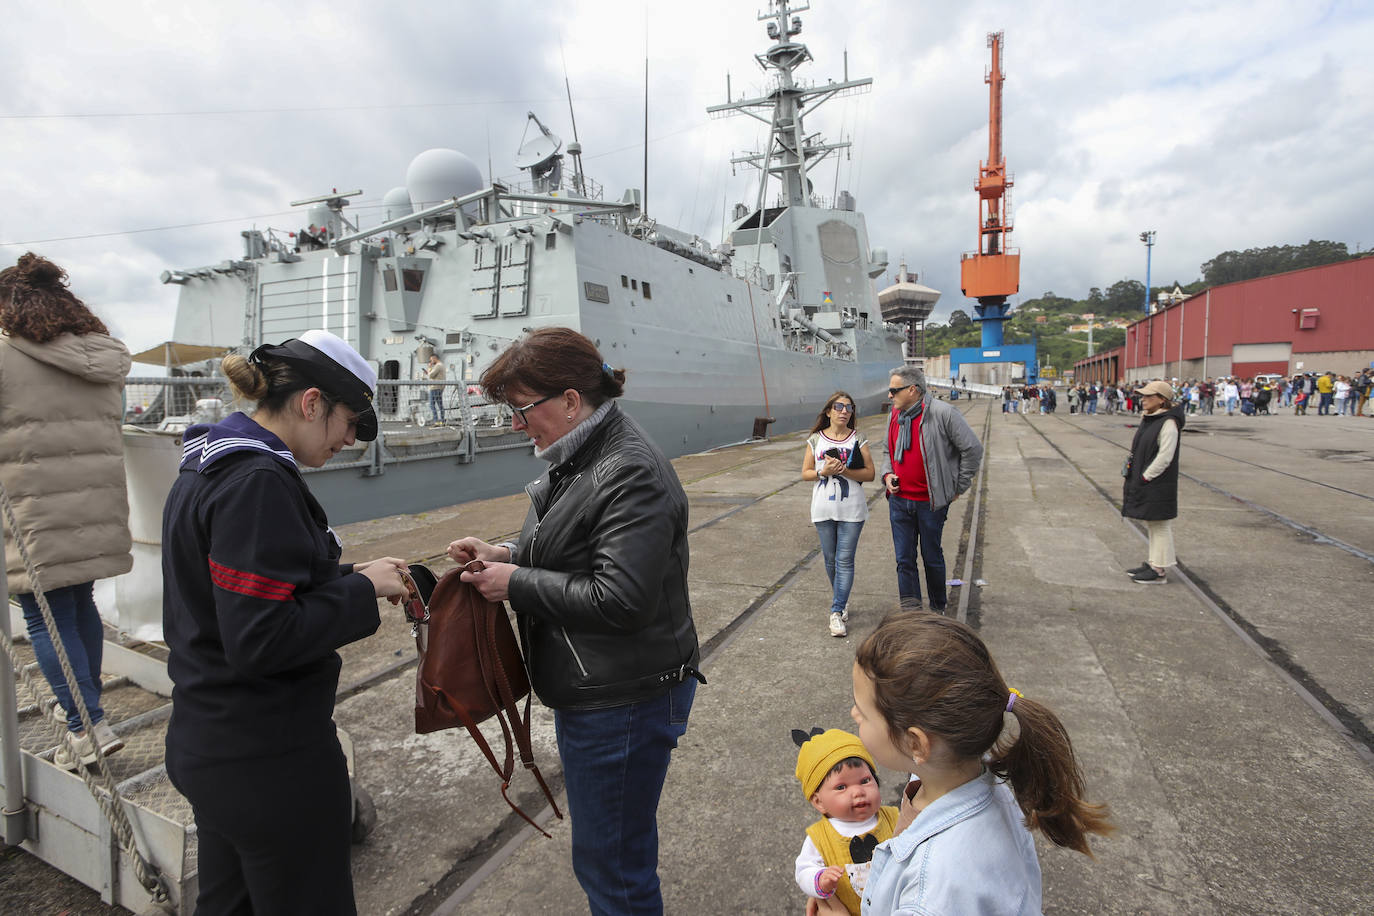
507 701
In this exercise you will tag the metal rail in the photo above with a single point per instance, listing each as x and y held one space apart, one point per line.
1333 712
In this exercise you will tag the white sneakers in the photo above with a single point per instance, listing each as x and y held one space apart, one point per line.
837 627
80 751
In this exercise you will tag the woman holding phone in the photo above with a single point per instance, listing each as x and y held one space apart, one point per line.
838 460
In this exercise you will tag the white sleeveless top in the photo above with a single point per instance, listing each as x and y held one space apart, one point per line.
837 499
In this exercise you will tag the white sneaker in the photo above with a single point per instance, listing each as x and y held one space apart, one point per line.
837 627
73 751
109 741
844 615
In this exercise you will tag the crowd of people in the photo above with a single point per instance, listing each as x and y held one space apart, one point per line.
1262 395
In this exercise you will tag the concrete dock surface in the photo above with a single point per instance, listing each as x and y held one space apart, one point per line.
1225 716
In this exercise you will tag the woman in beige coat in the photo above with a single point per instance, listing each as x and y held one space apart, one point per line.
62 466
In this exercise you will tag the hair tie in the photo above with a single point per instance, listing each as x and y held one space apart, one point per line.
606 368
1012 694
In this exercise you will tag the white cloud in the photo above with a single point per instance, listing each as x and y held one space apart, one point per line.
1223 127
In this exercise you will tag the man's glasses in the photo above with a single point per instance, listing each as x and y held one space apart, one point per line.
520 411
842 407
892 392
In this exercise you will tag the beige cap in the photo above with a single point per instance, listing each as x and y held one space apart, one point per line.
1163 389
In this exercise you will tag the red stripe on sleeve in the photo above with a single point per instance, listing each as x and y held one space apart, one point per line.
250 584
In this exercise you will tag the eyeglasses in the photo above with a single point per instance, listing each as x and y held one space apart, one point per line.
892 392
520 411
842 407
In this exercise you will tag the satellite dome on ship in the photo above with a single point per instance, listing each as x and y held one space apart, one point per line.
436 175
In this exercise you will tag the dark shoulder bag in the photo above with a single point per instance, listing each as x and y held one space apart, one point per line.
470 670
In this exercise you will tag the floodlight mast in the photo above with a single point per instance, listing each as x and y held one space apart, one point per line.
993 272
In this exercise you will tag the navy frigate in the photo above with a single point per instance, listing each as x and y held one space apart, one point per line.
721 342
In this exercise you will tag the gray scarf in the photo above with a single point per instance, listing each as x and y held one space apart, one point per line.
567 446
906 420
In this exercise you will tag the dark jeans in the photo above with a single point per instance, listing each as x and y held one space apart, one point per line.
614 764
915 525
1324 407
78 626
274 832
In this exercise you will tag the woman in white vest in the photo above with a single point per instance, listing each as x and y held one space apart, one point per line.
838 460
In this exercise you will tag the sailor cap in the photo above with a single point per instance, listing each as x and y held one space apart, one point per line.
336 368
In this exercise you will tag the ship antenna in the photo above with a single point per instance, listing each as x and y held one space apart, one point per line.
576 148
644 199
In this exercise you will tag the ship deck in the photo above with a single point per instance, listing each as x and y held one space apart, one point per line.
1225 717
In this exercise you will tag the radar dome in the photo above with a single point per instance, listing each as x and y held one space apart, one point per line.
438 174
396 203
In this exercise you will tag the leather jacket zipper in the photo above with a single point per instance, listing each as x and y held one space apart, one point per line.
577 658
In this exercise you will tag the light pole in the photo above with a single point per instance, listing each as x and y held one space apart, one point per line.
1148 237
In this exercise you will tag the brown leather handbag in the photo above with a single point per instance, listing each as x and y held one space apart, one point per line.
471 670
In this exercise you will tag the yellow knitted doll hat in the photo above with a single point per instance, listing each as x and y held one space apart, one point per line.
821 751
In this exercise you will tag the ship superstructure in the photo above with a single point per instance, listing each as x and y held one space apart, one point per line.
718 341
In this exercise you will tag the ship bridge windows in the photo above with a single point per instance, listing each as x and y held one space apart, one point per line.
646 291
412 279
770 216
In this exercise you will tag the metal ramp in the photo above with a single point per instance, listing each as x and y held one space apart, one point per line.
61 822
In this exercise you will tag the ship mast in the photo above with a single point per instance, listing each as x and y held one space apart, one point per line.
791 152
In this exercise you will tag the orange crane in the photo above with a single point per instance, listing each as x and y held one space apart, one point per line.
993 272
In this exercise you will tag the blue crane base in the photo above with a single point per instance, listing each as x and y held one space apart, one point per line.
1006 353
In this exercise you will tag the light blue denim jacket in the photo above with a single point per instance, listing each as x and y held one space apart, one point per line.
967 854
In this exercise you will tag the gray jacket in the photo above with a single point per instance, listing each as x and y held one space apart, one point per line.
949 447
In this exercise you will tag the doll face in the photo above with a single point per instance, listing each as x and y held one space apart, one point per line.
849 795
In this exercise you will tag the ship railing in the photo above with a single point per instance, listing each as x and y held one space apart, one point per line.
592 189
414 426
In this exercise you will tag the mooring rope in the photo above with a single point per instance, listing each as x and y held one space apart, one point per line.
97 778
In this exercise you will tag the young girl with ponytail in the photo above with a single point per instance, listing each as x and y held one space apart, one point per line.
928 699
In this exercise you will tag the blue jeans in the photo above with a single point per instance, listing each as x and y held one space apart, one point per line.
78 626
915 525
614 764
436 405
838 543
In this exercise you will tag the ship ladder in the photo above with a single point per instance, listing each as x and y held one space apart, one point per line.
97 778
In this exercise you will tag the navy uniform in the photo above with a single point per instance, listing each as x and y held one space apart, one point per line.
255 603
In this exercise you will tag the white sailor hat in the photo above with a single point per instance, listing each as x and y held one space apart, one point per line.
336 368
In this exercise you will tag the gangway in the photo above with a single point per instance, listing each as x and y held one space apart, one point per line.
51 812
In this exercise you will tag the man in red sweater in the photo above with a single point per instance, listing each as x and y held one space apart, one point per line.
932 457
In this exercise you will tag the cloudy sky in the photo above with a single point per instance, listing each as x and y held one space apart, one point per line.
136 137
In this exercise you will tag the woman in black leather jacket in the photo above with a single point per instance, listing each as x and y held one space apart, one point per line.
598 581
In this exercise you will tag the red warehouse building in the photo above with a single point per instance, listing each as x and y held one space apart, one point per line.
1313 320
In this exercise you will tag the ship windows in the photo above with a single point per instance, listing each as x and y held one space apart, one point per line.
624 281
634 285
413 279
647 294
550 241
389 279
729 298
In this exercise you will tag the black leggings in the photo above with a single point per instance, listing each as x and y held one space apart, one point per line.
274 832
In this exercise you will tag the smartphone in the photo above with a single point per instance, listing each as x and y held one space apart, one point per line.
833 453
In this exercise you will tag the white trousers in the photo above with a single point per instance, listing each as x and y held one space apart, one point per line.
1161 542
